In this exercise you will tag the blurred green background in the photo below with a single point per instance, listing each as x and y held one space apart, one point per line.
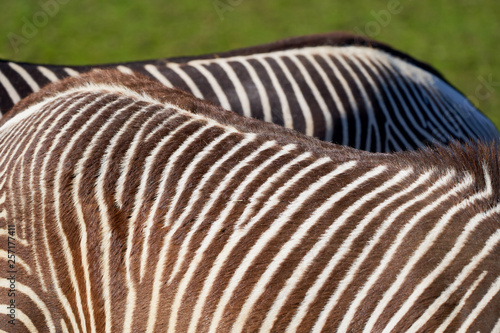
461 38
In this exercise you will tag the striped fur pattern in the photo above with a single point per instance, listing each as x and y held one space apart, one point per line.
335 87
140 208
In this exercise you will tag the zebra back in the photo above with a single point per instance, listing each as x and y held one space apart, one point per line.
132 205
336 87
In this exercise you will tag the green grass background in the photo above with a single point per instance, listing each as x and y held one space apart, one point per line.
461 38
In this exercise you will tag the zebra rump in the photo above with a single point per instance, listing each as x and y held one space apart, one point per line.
133 207
337 87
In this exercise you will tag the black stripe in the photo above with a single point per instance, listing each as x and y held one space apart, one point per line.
468 124
442 114
37 76
61 73
201 82
227 86
389 74
293 104
254 98
373 96
6 102
338 130
433 120
276 107
395 110
317 114
172 76
360 109
19 84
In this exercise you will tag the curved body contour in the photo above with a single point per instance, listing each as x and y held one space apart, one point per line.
336 87
134 207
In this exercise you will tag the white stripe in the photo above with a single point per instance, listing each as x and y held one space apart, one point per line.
41 137
26 76
349 276
106 230
389 125
165 176
317 95
296 239
217 225
432 122
42 186
350 97
268 235
27 113
157 129
157 284
448 112
138 96
64 327
193 265
183 75
496 329
372 122
489 246
299 272
492 292
138 205
145 179
400 89
399 67
285 108
71 71
125 164
157 75
126 70
261 90
393 250
425 245
333 93
33 296
11 91
361 294
461 304
240 90
377 93
304 107
219 92
385 81
21 318
48 73
256 197
190 169
24 265
57 200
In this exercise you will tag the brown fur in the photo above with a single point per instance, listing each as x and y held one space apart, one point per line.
463 159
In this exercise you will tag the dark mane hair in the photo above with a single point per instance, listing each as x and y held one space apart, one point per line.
337 38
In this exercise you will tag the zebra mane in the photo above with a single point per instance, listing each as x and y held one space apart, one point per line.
337 38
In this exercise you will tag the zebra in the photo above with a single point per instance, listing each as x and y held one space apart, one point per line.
137 207
336 87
